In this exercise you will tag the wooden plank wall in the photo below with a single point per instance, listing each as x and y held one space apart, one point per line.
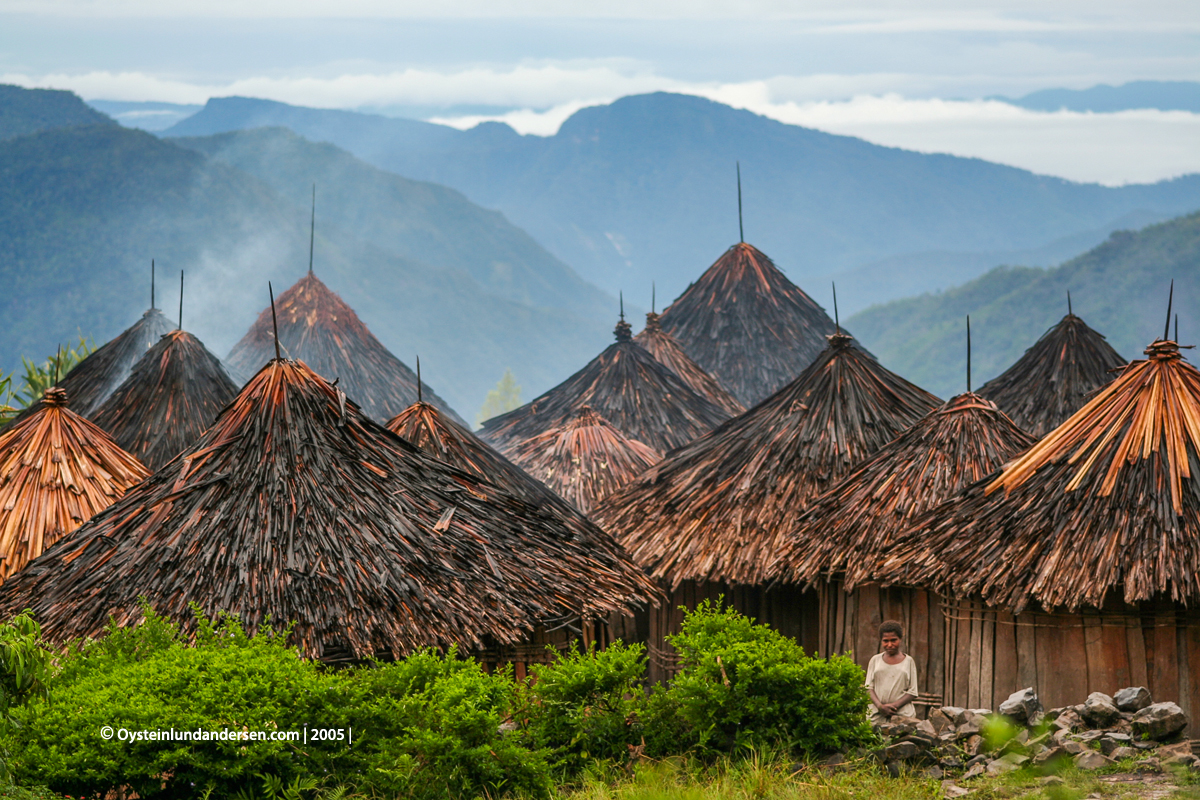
789 609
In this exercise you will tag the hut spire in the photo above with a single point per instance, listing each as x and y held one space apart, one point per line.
968 353
274 321
1069 311
1176 329
623 331
836 321
420 397
152 283
741 230
312 229
653 309
1170 297
179 327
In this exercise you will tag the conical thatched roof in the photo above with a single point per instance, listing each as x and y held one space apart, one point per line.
850 528
317 327
1107 502
720 508
297 507
628 387
56 471
747 325
584 460
92 380
172 396
444 439
1054 378
663 347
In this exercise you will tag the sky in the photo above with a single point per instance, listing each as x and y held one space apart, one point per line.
914 74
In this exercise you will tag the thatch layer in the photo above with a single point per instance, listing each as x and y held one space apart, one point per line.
297 507
663 347
628 387
172 396
720 508
1055 377
1107 502
94 379
317 327
57 470
747 325
849 529
585 460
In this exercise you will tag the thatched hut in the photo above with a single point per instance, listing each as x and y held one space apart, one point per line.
584 460
747 325
849 529
171 397
1077 562
711 517
57 470
628 387
663 347
1055 376
296 506
317 327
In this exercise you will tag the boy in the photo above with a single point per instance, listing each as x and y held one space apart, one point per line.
892 676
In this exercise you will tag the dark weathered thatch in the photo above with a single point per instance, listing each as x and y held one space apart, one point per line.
747 325
847 530
1108 502
1054 378
92 380
626 385
317 327
663 346
173 395
296 506
720 508
56 471
584 460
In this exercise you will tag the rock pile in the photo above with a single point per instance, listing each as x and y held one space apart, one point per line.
968 742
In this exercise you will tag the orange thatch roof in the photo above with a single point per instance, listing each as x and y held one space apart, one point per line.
1107 502
747 325
721 507
1055 377
585 460
56 471
626 385
317 327
171 397
663 347
296 506
850 528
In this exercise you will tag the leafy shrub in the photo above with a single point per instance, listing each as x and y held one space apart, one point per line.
24 673
747 686
584 706
144 679
435 731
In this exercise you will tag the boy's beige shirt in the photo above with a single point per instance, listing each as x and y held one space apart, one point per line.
893 681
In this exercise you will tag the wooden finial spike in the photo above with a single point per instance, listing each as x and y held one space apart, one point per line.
836 320
622 296
741 230
653 310
1176 329
1069 311
57 361
419 399
312 229
152 283
1170 298
274 322
968 353
180 299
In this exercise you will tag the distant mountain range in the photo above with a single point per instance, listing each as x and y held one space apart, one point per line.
1119 288
1162 95
84 209
643 189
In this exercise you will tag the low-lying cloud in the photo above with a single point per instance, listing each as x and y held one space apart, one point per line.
1112 148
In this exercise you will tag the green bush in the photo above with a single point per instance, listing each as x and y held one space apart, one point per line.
25 667
743 686
139 680
584 706
435 732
